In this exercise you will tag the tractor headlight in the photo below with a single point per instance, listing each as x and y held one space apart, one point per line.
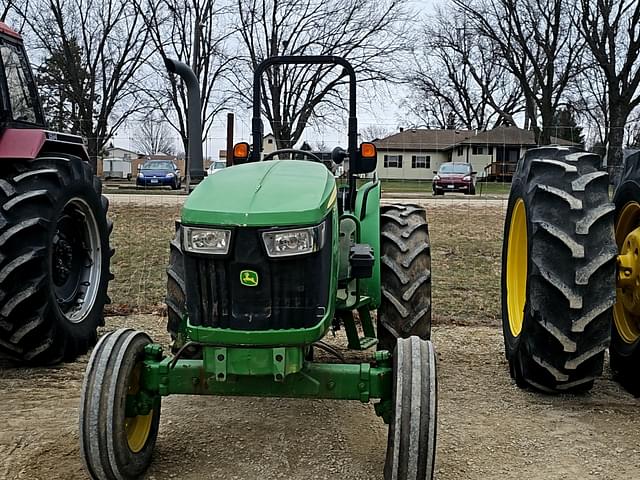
299 241
206 240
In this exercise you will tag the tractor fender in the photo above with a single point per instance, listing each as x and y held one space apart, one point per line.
28 143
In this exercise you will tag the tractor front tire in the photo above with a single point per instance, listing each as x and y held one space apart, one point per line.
405 257
54 258
558 270
411 445
115 446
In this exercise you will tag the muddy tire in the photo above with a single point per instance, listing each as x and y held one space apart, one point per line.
411 445
624 350
558 270
405 258
54 258
114 446
176 297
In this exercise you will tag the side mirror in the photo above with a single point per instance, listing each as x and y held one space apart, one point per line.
474 173
338 155
435 171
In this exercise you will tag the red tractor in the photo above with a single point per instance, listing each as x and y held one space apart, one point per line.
54 232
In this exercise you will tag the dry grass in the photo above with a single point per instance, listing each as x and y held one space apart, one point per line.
141 236
466 245
466 256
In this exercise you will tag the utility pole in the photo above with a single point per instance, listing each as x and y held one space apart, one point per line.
230 121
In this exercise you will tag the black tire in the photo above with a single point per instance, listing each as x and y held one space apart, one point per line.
567 288
105 446
176 294
411 445
405 258
624 349
54 258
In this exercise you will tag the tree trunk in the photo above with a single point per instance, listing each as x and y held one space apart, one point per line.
92 149
616 141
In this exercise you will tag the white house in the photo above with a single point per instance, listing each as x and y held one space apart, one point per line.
415 154
116 162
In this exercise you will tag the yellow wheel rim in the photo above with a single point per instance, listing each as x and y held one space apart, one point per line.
626 312
137 428
516 281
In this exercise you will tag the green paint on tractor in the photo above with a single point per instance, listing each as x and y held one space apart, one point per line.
279 192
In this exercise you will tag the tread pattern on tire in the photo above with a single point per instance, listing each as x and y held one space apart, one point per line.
571 270
176 293
405 258
411 446
102 438
29 190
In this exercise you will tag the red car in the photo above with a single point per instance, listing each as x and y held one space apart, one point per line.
454 177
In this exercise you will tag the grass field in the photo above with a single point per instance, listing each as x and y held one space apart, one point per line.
466 244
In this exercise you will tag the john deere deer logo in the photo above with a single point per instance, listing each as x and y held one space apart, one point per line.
249 278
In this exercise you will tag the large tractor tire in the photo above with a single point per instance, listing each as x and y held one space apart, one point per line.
411 444
54 258
558 270
624 350
405 255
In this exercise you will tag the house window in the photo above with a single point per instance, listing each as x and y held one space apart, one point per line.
477 150
421 161
490 151
460 151
393 161
270 140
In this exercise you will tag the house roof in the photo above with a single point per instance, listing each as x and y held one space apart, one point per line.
422 139
509 136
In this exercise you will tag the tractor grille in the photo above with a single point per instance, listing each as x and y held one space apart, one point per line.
291 293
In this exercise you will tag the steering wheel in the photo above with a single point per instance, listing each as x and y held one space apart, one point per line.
306 153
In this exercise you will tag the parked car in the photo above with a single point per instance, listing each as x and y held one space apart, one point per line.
215 167
454 177
159 173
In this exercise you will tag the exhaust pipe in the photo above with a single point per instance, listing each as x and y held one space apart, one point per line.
194 160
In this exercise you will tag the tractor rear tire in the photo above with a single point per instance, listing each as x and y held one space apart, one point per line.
405 257
624 350
411 445
54 258
176 298
558 270
112 445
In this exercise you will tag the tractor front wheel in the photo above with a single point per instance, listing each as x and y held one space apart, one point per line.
405 308
411 446
114 442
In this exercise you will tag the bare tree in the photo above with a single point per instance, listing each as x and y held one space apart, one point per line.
371 34
612 31
539 45
193 32
460 78
375 132
102 81
153 136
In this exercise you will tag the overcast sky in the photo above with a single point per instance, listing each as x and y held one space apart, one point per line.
385 112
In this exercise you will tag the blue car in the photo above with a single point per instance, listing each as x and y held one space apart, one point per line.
159 173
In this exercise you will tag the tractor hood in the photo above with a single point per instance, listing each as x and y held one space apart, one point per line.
277 192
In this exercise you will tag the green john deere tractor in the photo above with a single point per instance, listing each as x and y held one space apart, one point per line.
268 257
571 272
